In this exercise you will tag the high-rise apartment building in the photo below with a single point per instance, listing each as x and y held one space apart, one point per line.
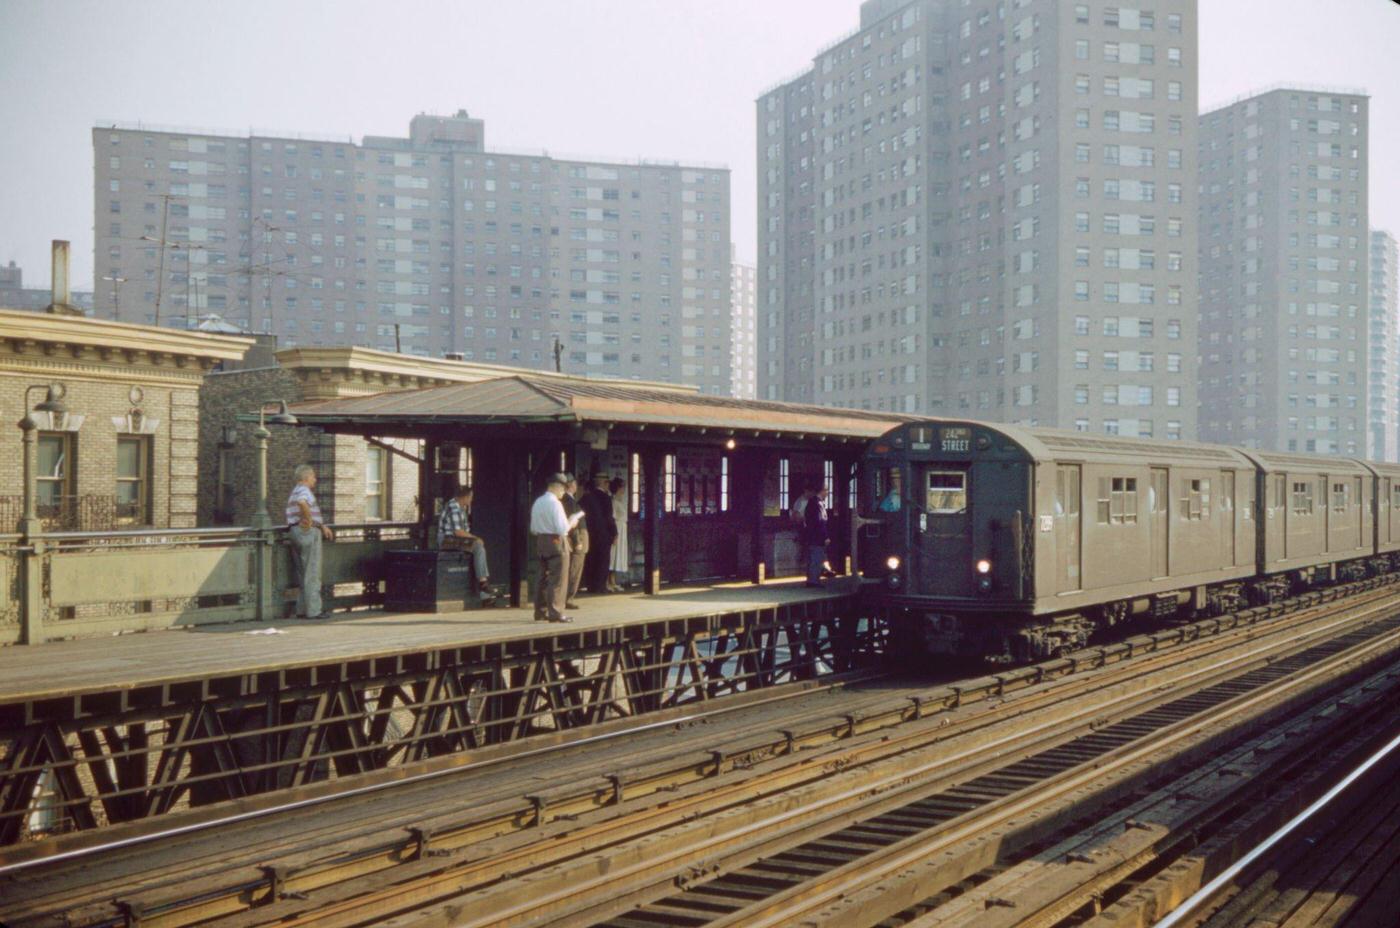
743 335
1283 249
982 208
1383 371
429 244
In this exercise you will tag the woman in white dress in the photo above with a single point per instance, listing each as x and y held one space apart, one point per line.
621 559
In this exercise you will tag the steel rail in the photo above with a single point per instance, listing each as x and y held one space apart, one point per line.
362 903
1188 908
809 899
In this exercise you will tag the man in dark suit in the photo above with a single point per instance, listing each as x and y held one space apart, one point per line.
578 540
815 535
602 530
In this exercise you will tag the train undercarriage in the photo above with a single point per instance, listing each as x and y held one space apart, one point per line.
1018 638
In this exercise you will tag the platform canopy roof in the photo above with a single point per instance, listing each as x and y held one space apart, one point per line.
525 399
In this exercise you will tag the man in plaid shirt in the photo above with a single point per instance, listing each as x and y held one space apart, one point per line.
454 534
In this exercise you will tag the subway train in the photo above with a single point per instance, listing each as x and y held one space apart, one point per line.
1020 543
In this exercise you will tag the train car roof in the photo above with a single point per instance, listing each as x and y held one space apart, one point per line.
1276 462
1047 444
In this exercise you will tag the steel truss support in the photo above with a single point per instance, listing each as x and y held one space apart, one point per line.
94 760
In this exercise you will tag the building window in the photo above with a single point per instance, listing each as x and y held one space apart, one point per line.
376 484
133 480
224 502
54 475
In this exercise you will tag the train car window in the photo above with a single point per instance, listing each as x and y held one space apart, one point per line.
947 492
1302 498
1247 513
1280 492
884 491
1195 499
1339 497
1118 501
1395 496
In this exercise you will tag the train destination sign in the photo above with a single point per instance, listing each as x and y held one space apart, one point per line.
957 438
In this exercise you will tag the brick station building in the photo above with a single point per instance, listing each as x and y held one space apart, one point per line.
125 453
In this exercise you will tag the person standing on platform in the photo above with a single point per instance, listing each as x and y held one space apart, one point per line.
455 534
621 561
549 530
307 531
815 536
597 507
578 541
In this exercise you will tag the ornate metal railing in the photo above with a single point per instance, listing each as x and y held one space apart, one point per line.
82 583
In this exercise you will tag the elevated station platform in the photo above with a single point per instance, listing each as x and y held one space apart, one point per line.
95 732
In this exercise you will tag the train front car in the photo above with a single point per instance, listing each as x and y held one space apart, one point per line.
947 526
1019 543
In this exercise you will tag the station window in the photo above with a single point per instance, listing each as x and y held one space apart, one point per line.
1339 497
1195 499
724 484
1302 498
829 481
947 492
1118 501
634 484
376 483
784 487
133 480
668 483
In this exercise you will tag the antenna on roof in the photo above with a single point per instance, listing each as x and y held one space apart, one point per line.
558 355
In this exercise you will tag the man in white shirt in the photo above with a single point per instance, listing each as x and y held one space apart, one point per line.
549 529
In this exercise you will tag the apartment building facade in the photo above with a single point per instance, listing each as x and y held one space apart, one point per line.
1284 333
987 209
743 330
429 245
1383 369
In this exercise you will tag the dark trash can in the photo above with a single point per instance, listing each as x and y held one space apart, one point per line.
427 581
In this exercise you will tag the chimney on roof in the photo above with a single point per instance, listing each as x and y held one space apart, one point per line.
61 297
453 356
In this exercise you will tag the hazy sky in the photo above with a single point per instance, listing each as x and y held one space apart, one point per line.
615 78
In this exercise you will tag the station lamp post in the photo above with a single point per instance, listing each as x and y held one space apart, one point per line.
53 404
261 519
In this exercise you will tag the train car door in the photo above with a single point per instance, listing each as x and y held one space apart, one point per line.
1159 511
943 532
1068 537
1324 487
1359 508
1383 511
1227 513
1276 518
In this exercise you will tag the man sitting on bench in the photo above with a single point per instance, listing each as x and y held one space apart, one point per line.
455 534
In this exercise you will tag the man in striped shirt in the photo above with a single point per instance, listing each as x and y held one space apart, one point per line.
307 530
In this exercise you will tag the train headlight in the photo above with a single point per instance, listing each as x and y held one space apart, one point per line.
984 566
892 562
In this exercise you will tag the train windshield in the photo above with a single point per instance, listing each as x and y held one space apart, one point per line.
883 492
946 491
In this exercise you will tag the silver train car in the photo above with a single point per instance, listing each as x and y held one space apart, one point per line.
1003 541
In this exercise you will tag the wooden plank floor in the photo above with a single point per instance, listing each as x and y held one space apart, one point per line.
67 668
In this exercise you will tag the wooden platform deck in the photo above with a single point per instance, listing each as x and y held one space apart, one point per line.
64 669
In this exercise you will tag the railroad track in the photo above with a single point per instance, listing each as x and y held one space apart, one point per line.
859 764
